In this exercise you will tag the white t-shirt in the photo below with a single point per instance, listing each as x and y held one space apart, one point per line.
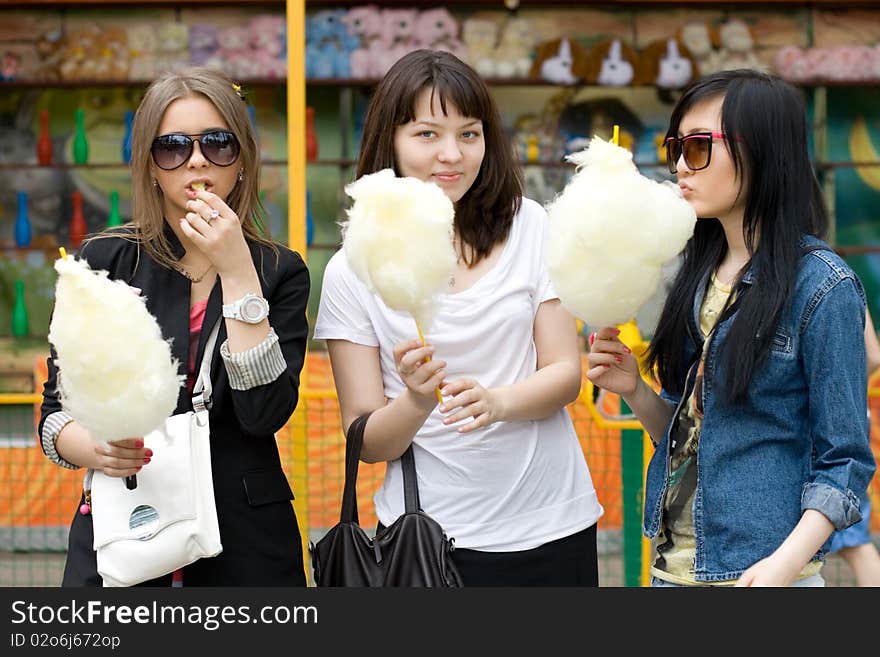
511 485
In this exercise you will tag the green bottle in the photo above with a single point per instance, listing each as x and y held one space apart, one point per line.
20 323
114 218
80 143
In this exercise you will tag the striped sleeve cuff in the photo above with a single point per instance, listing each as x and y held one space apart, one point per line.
51 428
257 366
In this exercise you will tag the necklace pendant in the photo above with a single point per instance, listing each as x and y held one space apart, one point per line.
451 280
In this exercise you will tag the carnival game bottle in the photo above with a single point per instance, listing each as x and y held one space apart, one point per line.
311 136
78 227
126 139
114 218
80 142
22 222
44 142
20 323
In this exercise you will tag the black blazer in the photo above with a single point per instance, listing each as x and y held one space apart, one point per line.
258 528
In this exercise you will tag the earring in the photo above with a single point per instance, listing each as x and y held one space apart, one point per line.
155 183
241 176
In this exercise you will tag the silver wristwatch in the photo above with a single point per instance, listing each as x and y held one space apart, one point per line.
251 309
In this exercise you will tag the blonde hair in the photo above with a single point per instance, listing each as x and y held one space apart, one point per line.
148 220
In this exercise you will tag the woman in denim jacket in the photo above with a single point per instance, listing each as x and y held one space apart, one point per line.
760 428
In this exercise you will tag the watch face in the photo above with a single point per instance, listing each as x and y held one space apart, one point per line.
253 309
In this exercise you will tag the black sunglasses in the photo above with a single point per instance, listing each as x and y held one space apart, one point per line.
696 148
219 147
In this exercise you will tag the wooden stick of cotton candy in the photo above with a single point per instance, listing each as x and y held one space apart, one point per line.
398 241
116 375
611 230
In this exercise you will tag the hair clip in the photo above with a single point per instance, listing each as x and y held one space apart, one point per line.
237 89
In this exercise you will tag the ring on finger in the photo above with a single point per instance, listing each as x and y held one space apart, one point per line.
214 214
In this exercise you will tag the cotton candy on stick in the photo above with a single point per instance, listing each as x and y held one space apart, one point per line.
398 241
611 229
117 377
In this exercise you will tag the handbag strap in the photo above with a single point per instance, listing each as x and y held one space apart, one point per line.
202 389
410 482
354 441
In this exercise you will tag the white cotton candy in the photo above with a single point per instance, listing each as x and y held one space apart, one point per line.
117 377
398 241
611 230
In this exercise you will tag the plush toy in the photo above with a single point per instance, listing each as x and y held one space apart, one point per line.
437 29
698 39
202 44
328 45
399 25
667 64
80 54
851 63
142 51
10 66
234 51
736 47
479 36
512 55
876 67
112 62
49 53
269 45
172 45
612 63
365 23
790 63
562 61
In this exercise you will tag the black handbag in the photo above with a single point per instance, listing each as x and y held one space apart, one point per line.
412 551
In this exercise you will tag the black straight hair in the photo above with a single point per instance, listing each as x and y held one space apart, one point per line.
764 122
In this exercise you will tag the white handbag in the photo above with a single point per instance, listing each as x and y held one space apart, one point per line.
169 520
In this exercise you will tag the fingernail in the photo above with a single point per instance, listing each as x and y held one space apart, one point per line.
146 459
182 220
139 467
619 359
139 443
617 331
445 391
607 366
627 349
443 408
149 452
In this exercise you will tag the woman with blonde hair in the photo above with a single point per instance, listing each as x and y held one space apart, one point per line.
194 248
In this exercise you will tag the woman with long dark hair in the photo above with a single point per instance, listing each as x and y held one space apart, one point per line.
499 464
760 427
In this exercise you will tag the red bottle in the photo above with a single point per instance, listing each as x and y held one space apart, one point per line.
44 143
78 227
311 136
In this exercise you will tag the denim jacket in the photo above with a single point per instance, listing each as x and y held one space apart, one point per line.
799 440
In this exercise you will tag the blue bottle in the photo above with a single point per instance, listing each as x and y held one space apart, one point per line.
22 222
310 225
126 140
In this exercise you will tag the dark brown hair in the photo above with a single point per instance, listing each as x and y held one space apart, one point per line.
483 216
